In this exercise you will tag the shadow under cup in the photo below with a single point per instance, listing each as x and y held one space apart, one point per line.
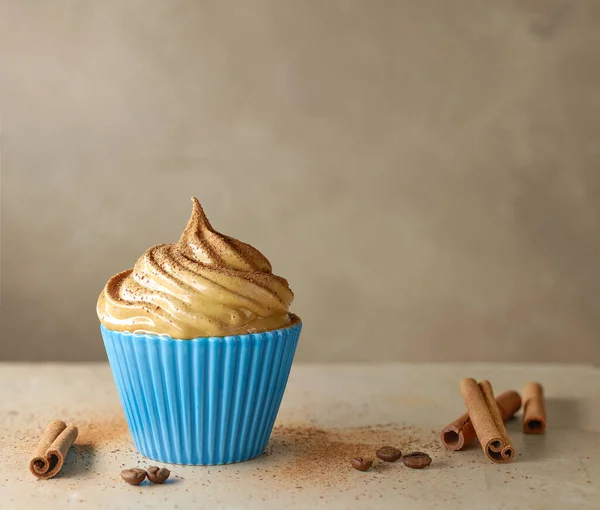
204 401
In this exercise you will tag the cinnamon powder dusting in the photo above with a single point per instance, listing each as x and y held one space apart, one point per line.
96 432
309 455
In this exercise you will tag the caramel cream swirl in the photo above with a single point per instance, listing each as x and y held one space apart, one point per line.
207 284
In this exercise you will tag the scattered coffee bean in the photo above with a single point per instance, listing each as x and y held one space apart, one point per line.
416 460
361 464
388 453
158 475
133 476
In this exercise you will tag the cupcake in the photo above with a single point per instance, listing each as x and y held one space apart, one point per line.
200 341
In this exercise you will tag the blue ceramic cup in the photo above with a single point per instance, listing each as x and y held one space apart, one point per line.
204 401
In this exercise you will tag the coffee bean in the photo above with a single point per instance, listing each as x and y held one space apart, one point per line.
388 453
133 476
416 460
361 464
156 475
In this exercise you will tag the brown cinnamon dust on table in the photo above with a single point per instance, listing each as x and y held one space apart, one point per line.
96 432
316 456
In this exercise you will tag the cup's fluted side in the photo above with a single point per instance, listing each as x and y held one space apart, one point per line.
201 401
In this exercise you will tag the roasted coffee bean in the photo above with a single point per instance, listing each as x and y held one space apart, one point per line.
388 453
158 475
133 476
361 464
416 460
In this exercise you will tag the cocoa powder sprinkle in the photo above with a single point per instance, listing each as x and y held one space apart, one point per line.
317 456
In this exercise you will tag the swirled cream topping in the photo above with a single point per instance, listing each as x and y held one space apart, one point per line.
207 284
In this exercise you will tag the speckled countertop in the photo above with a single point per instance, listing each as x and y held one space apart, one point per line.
329 414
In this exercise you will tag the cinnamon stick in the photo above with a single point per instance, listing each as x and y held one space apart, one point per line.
460 432
51 452
487 420
534 409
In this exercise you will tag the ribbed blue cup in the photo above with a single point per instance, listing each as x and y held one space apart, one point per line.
204 401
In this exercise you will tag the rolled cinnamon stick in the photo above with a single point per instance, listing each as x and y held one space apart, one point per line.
50 454
460 432
534 409
487 420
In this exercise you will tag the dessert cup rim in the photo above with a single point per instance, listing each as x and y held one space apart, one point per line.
296 322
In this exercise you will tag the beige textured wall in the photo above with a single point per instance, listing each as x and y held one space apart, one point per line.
426 174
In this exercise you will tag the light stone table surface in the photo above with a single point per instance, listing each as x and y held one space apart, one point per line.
329 414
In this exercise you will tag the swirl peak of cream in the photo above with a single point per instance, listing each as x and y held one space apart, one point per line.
206 284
